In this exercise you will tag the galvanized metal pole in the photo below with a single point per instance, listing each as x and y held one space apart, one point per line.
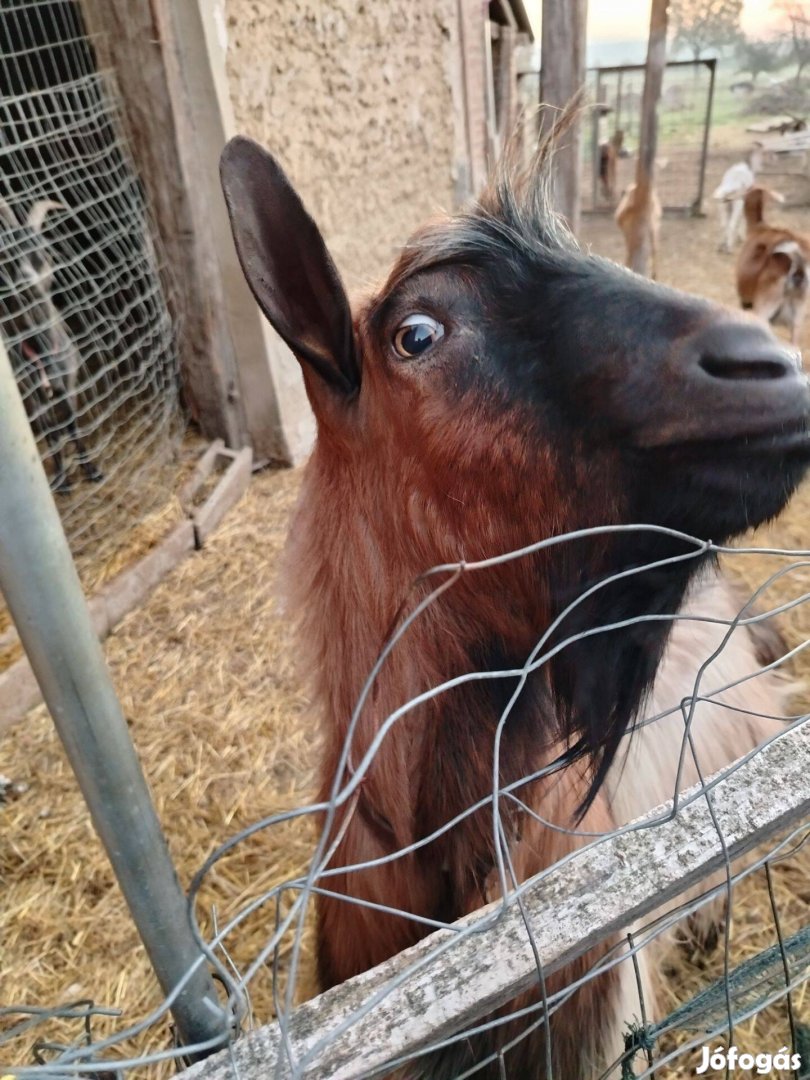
44 596
697 205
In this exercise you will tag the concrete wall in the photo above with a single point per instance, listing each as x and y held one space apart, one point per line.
363 104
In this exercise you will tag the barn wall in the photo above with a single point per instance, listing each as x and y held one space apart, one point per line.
363 103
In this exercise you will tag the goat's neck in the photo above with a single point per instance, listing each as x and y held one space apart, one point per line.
354 575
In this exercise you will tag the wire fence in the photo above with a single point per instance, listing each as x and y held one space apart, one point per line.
705 127
83 303
625 897
685 117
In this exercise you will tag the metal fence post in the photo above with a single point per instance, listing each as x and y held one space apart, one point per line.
697 205
43 593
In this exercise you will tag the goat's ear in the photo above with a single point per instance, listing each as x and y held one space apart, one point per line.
287 266
789 255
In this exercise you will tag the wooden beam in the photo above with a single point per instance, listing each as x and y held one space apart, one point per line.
506 76
455 977
127 40
242 383
19 690
562 76
469 74
640 251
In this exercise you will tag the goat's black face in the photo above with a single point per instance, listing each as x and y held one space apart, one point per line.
687 415
707 412
703 415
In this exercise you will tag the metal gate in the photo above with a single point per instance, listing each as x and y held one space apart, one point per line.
684 121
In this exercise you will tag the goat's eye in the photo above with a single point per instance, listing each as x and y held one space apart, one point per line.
416 334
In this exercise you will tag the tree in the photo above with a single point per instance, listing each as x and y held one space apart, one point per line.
758 57
699 25
797 14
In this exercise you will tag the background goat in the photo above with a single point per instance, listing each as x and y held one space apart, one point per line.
44 356
501 386
735 184
626 217
609 154
772 267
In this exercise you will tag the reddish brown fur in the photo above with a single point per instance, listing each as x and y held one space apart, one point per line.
627 216
377 547
763 273
608 158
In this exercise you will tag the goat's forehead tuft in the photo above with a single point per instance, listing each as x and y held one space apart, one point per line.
513 216
503 224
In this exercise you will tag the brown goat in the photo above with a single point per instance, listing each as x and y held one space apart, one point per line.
627 216
772 267
609 154
502 386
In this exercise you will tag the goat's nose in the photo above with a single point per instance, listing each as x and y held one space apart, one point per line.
741 352
729 379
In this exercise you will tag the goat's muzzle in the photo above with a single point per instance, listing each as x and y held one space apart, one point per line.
730 381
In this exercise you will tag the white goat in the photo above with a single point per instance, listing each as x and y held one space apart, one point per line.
42 350
730 193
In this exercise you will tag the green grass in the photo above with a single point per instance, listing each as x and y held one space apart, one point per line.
689 87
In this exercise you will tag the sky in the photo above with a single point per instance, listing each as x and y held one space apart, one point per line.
606 23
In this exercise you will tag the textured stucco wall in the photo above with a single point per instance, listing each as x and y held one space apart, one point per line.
356 100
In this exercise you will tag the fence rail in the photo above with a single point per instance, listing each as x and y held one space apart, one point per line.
452 979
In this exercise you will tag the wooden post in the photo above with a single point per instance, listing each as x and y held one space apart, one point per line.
240 381
126 40
595 131
493 140
562 76
639 238
617 120
506 78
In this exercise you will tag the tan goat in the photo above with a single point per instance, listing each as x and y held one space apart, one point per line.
627 217
772 267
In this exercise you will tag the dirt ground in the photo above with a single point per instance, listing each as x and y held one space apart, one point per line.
689 258
207 683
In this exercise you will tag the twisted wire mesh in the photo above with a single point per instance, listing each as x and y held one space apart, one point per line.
682 125
84 307
661 1045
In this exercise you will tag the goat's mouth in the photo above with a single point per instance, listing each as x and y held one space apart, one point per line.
721 485
791 440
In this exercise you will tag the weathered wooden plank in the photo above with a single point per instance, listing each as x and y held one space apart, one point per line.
228 491
202 470
639 241
562 76
603 889
132 586
19 691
